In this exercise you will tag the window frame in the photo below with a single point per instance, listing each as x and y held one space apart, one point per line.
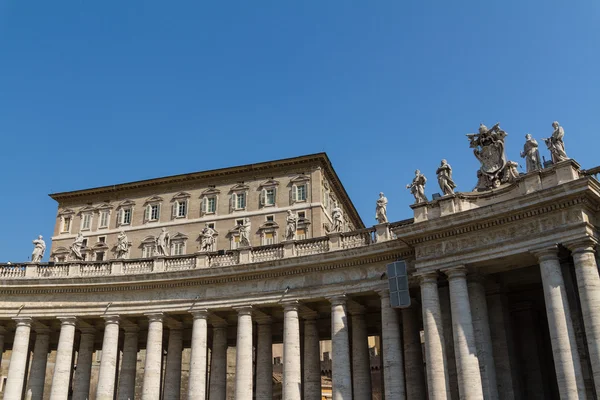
86 217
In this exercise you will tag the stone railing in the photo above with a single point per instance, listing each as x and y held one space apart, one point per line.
245 255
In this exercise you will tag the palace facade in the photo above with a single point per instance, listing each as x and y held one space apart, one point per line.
503 285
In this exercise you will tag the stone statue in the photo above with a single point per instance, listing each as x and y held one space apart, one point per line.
444 175
122 245
207 239
531 154
38 250
417 187
338 218
512 174
381 209
163 242
291 225
76 247
555 143
245 233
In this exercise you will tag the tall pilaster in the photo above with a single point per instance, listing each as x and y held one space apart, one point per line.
153 366
564 348
483 338
64 359
588 283
292 368
18 359
361 362
128 363
243 365
198 358
218 363
413 353
264 359
172 384
108 364
37 373
437 380
341 377
312 359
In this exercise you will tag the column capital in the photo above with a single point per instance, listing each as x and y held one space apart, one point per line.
111 319
584 245
338 300
243 310
383 293
546 253
68 321
460 271
427 278
23 321
155 317
199 314
290 305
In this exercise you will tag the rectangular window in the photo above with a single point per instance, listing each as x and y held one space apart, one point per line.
104 218
239 222
269 218
148 251
240 201
270 197
100 256
269 238
181 209
301 234
235 242
154 212
66 227
86 221
178 249
124 216
301 214
84 243
211 205
211 225
101 239
301 193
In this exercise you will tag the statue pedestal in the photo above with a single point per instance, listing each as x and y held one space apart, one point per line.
244 255
288 248
335 240
566 171
382 232
116 267
447 205
421 212
159 264
201 259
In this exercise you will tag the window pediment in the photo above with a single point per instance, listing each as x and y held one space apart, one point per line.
239 187
61 250
178 237
300 179
210 192
153 199
269 225
127 203
269 183
86 210
181 196
65 212
104 206
149 240
100 246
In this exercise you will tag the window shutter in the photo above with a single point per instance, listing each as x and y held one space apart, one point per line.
263 196
147 213
294 193
174 209
120 217
274 196
158 216
232 202
204 206
306 191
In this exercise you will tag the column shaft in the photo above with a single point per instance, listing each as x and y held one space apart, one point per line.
501 337
264 361
153 365
81 379
437 380
128 364
218 364
37 373
361 362
413 354
312 360
243 365
198 358
172 385
108 364
292 368
566 356
64 360
2 333
393 359
18 360
341 378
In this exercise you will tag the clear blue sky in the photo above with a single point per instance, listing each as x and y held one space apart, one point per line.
101 92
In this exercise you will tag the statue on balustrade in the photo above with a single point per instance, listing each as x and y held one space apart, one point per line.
417 187
38 250
381 209
338 218
77 246
122 245
444 175
556 143
291 225
207 238
163 242
245 232
531 154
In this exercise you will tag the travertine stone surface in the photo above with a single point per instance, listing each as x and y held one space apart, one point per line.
393 362
172 384
444 295
361 366
483 340
501 335
18 359
264 360
437 380
64 359
218 365
37 373
81 377
108 364
128 364
292 368
198 358
413 353
153 365
340 362
312 360
243 361
566 356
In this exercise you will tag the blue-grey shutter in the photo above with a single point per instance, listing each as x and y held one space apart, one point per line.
398 284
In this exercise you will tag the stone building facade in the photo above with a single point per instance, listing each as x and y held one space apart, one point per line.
504 288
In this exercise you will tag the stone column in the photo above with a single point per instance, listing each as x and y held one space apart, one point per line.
437 380
37 373
153 365
218 364
264 360
108 364
292 367
172 384
243 352
64 359
501 338
483 338
467 365
312 359
361 362
198 358
452 376
341 377
392 357
18 359
2 333
128 364
566 356
588 283
413 353
81 378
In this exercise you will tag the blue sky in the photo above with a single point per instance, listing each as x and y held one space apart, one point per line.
102 92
